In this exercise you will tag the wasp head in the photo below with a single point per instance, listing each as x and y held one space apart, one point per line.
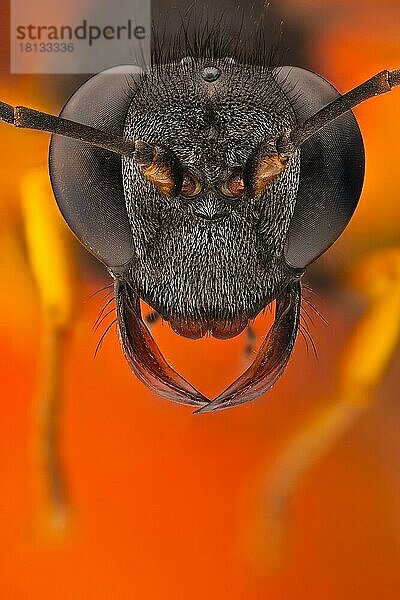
209 246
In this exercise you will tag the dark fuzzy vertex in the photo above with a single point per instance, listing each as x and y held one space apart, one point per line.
213 34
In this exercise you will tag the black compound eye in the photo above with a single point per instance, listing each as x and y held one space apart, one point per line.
233 187
331 169
87 181
191 186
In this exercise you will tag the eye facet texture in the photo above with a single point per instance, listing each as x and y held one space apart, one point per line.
331 171
87 181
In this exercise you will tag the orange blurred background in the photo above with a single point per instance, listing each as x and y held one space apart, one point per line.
164 504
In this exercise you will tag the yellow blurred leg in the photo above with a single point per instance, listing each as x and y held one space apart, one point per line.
52 265
362 364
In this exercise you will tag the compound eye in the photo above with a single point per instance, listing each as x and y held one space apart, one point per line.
87 181
331 169
191 186
233 187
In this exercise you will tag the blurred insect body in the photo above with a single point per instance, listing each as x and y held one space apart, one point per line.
361 367
56 280
207 186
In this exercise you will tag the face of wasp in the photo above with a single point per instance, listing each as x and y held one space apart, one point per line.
207 221
209 256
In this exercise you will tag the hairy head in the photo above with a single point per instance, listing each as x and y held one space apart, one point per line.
210 256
